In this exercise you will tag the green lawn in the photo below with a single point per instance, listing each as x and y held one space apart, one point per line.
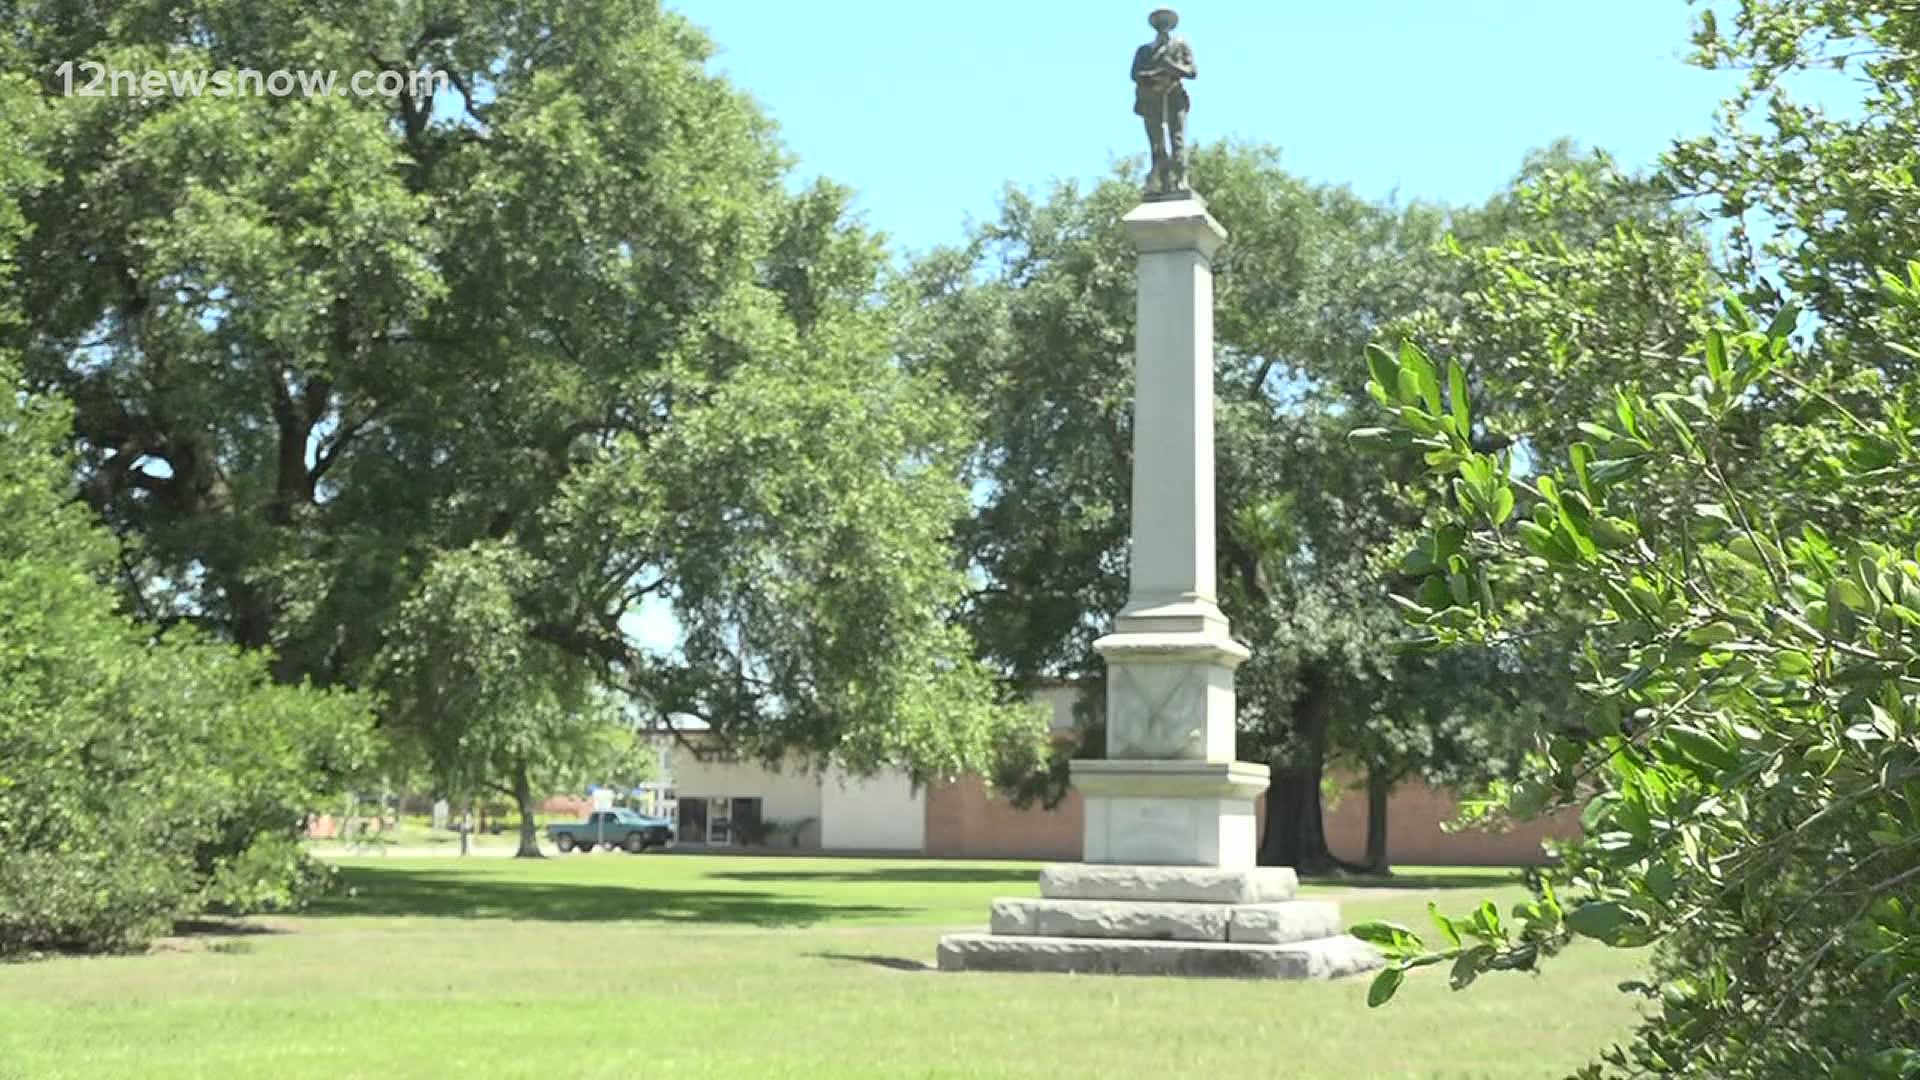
666 966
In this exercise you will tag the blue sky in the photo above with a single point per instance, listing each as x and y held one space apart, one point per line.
929 108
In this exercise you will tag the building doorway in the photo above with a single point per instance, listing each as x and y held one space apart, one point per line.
721 821
693 821
748 828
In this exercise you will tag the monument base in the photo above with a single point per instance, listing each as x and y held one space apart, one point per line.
1324 959
1169 813
1163 920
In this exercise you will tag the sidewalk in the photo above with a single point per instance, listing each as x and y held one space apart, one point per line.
407 851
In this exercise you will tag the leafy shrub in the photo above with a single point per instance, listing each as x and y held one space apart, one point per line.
142 778
1739 556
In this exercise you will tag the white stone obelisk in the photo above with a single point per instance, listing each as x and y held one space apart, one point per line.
1169 791
1168 884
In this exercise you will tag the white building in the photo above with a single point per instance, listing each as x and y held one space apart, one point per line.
722 803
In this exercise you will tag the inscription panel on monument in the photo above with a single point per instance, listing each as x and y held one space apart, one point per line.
1156 710
1154 831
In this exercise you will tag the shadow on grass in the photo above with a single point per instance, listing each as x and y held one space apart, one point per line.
1427 880
891 963
904 875
381 892
215 926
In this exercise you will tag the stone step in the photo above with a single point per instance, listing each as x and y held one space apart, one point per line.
1321 958
1168 884
1282 924
1264 924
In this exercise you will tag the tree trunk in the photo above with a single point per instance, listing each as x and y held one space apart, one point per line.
1379 786
1296 835
523 797
466 828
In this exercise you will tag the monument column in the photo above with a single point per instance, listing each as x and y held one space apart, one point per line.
1168 884
1169 791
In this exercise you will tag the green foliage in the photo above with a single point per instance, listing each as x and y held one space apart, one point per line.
141 780
1818 198
331 357
1731 536
1750 764
493 708
1576 236
21 172
621 758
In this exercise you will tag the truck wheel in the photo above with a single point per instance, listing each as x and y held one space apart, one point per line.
564 842
636 843
586 849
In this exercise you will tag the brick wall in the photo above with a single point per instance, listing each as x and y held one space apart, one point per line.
1415 838
967 821
570 807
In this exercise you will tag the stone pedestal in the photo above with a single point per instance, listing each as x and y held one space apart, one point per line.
1163 921
1169 812
1169 884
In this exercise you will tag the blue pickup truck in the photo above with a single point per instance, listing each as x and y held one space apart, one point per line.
612 829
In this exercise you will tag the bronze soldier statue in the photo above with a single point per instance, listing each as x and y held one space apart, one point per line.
1161 99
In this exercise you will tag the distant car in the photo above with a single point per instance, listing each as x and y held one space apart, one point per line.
611 829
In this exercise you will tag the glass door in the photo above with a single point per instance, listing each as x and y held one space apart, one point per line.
693 821
719 821
748 829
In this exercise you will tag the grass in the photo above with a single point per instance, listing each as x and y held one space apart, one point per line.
610 965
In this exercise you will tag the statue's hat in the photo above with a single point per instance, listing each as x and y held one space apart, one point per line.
1164 18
